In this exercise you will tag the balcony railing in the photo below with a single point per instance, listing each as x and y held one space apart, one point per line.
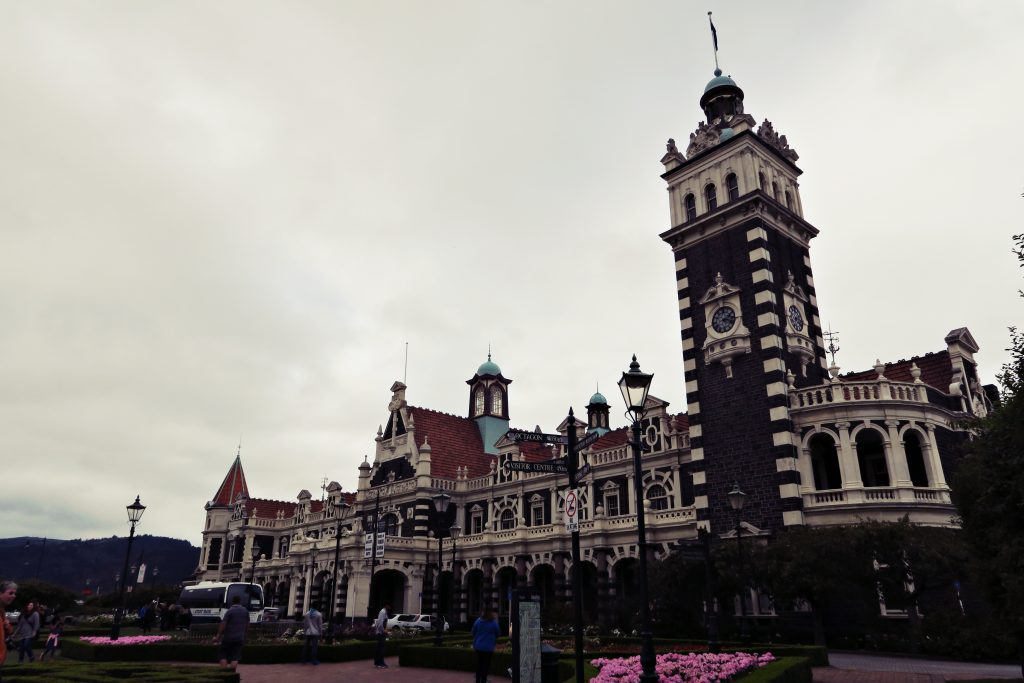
876 495
857 392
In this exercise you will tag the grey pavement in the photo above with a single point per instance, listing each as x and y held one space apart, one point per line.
361 671
849 661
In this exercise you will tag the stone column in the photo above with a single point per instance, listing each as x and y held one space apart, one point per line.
488 588
522 580
605 590
558 561
849 464
896 456
931 452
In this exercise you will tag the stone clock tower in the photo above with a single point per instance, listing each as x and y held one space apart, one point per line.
747 309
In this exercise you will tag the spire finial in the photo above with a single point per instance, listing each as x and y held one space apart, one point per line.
488 352
238 455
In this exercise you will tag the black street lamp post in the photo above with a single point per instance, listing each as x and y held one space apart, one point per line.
455 530
341 510
634 386
135 511
255 558
441 501
736 501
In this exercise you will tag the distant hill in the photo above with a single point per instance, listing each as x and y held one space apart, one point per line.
92 564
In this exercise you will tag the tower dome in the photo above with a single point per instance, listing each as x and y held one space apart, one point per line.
598 399
488 367
722 97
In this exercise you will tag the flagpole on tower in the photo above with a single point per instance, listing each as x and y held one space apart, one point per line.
714 42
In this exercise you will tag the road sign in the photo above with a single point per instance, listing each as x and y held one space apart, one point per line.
582 472
549 466
587 440
536 437
572 511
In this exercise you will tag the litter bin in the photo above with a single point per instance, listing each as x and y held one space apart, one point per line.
549 664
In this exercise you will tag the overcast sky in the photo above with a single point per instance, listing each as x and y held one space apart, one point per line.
224 220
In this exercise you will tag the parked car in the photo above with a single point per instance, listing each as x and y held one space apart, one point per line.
271 614
423 622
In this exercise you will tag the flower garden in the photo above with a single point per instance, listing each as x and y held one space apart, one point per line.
689 667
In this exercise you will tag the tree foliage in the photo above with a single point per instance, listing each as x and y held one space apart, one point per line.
989 490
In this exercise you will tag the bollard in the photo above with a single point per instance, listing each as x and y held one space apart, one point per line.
549 664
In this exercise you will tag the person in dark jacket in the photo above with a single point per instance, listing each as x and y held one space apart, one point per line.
25 632
485 639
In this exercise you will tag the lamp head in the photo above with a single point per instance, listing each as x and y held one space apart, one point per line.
135 511
441 501
634 386
737 498
455 530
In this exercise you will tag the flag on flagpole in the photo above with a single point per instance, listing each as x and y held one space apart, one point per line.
714 33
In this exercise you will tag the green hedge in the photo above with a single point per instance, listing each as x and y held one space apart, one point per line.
783 670
253 653
464 659
92 672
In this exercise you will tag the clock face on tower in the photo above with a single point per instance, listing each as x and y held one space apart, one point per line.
723 319
795 319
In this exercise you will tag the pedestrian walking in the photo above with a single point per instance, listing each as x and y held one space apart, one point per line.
231 633
25 632
312 628
380 627
53 640
485 639
8 591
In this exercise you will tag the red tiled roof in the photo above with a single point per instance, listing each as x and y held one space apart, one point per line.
454 442
936 371
268 509
232 486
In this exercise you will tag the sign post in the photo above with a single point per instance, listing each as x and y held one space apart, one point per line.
572 460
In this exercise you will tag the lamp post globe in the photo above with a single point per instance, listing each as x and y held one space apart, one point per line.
634 385
135 511
441 502
340 510
737 499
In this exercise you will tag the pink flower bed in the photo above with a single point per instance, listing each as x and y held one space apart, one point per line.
672 667
124 640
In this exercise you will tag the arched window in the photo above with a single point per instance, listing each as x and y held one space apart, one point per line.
658 497
732 187
775 192
507 520
478 401
825 463
871 456
762 181
711 196
496 401
389 524
690 204
915 459
789 200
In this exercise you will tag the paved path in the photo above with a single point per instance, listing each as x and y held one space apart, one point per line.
869 668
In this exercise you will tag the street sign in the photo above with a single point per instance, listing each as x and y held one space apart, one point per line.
572 510
549 466
587 440
583 471
536 437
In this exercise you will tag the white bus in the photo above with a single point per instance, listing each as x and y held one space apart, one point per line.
209 600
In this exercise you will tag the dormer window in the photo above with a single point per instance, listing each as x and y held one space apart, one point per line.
732 187
711 196
496 401
690 205
507 520
478 401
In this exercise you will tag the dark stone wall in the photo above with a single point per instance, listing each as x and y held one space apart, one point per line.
735 412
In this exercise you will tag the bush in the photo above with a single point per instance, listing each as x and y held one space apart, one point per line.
783 670
82 672
252 653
